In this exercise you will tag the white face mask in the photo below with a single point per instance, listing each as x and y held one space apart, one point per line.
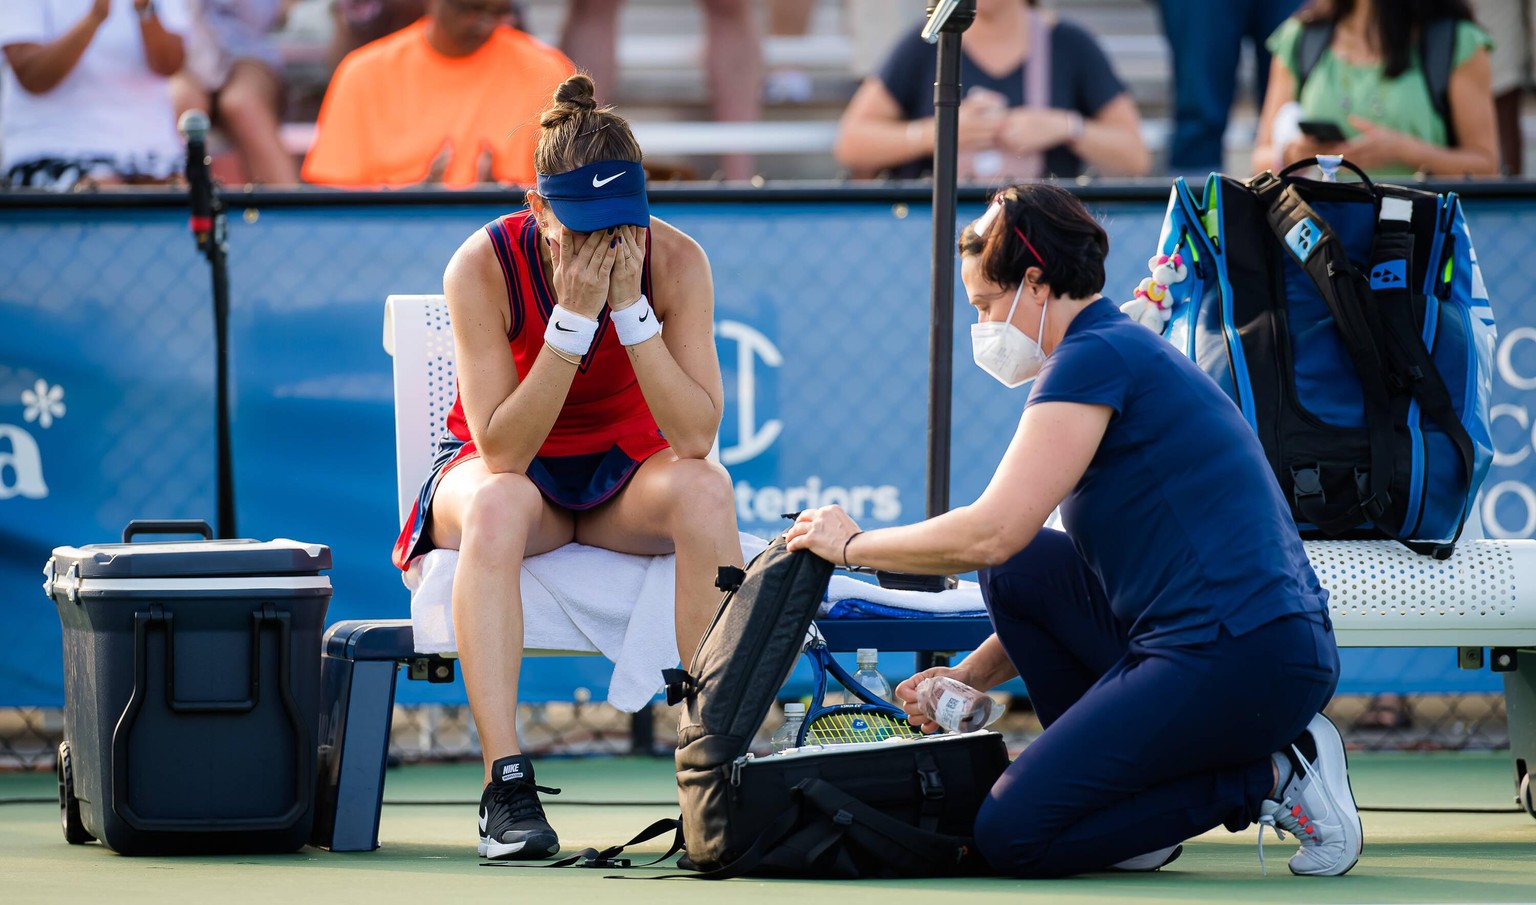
1005 351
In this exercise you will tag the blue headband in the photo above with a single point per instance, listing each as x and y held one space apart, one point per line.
598 196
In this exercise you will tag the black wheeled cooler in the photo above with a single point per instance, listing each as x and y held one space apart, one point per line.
192 690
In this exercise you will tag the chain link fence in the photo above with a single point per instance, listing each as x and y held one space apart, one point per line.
30 736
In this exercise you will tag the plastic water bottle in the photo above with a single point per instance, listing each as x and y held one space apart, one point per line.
954 705
786 735
868 675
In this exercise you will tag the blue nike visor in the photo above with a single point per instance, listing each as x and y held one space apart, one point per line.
598 196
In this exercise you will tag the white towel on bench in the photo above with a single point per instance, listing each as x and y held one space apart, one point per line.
578 599
963 600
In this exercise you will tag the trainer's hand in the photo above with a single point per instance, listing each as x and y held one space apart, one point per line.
628 265
823 531
582 265
906 695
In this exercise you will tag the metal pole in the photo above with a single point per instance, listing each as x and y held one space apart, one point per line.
218 261
947 19
209 230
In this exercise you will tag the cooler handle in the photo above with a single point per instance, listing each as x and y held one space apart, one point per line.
158 618
167 526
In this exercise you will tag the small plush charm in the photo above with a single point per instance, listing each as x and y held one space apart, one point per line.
1168 269
1145 313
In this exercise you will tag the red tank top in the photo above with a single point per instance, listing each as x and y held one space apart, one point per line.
604 407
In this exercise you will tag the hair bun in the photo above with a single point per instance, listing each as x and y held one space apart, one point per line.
578 92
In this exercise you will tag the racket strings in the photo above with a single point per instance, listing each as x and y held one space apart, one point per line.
856 726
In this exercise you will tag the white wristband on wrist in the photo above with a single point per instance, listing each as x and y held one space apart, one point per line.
570 332
635 323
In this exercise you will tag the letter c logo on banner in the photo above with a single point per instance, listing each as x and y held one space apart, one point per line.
752 439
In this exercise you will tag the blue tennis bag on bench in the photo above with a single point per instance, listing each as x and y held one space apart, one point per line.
1350 324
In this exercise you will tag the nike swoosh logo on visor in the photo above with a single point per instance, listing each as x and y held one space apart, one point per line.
599 183
564 329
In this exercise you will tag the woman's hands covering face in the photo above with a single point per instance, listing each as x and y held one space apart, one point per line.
583 268
628 264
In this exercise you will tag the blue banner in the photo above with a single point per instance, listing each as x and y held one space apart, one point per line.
822 311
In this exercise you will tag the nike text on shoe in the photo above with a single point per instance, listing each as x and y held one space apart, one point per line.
1316 805
1151 860
512 823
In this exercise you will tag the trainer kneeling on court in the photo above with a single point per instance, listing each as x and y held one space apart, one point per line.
1175 641
577 418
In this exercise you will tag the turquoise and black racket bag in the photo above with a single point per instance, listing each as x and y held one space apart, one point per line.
1350 324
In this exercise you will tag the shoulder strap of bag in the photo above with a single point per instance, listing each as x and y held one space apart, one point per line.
609 857
1315 38
894 841
1437 56
1316 249
1391 268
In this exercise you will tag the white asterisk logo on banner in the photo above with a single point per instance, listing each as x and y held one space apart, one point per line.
43 403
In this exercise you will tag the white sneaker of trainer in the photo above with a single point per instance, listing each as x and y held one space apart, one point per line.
1317 807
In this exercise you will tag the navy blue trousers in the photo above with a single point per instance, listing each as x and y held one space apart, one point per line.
1144 747
1205 39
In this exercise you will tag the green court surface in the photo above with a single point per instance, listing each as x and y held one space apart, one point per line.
428 851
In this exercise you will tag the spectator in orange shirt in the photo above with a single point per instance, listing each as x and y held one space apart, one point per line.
453 98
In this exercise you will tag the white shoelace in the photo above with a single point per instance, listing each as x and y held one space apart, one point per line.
1290 819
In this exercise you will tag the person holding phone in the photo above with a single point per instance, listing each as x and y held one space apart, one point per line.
1368 97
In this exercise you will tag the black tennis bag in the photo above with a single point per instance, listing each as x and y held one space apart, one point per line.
899 808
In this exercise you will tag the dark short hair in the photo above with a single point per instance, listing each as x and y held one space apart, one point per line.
1069 245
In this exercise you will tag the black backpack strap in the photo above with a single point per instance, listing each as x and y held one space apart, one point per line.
1437 57
1315 247
1412 364
609 857
1314 39
883 836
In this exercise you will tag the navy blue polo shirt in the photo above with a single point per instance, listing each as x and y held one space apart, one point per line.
1178 513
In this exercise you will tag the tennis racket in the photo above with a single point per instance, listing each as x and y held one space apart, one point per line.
870 720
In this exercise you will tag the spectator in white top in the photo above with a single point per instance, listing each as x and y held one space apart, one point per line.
86 97
232 73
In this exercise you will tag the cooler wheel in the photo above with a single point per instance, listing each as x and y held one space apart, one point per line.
75 832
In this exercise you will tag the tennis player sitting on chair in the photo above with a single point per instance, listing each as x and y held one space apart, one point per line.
578 418
1175 641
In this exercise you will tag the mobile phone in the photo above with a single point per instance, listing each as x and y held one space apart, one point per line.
1321 130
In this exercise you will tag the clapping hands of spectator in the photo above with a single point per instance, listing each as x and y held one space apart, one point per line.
100 9
1376 146
1025 130
484 164
628 265
981 113
583 270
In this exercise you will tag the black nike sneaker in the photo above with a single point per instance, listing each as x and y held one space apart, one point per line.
512 824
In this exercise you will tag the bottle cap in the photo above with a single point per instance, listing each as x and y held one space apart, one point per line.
867 655
794 707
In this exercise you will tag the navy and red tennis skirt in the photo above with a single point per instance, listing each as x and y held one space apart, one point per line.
577 483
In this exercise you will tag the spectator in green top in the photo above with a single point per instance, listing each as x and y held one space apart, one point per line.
1370 82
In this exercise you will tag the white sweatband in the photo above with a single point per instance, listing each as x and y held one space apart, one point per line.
570 332
636 323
